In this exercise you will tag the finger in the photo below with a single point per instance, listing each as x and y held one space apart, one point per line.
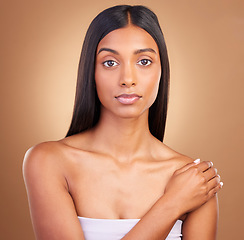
203 166
210 173
214 182
215 190
186 167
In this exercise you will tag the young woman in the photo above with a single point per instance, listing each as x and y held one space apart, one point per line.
112 177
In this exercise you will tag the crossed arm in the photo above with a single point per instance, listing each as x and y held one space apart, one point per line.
192 189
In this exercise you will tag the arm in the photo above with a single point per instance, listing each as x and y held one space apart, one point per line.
201 224
52 210
157 222
191 189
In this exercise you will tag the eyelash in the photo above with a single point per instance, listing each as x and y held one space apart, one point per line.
105 63
111 61
150 62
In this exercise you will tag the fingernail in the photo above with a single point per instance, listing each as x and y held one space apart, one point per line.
221 184
197 161
211 163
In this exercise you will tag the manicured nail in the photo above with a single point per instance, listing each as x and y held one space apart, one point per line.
221 184
197 161
211 163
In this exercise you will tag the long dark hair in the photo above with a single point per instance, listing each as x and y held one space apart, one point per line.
87 105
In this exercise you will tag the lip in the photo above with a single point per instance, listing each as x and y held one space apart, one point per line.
128 98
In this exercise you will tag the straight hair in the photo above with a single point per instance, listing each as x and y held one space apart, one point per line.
86 111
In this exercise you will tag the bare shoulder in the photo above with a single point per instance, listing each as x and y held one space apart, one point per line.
43 159
54 156
174 158
41 153
43 148
45 176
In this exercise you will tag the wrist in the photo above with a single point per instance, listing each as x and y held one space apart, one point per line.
171 206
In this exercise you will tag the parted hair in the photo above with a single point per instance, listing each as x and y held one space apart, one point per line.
86 111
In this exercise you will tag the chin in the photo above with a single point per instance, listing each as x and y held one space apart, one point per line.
126 111
130 113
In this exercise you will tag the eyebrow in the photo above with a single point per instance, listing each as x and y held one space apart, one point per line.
135 52
108 50
144 50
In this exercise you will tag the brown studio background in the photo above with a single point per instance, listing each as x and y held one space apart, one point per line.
40 48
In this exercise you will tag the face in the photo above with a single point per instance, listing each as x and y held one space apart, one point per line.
127 72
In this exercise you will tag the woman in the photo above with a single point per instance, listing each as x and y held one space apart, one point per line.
112 177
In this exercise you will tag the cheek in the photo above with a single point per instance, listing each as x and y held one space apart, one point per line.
151 84
104 84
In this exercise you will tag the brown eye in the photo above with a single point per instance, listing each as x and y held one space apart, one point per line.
145 62
110 63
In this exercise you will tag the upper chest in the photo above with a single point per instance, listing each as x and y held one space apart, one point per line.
103 188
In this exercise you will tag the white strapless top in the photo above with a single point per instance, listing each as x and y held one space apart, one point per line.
115 229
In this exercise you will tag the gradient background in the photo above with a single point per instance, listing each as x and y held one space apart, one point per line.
40 48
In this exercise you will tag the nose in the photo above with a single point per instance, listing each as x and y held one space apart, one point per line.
128 76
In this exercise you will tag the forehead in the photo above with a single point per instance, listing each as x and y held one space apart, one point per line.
128 37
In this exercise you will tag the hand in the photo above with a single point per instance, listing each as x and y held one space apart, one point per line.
193 185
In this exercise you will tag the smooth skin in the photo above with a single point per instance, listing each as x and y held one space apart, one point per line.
118 169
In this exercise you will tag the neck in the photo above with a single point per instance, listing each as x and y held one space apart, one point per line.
123 138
